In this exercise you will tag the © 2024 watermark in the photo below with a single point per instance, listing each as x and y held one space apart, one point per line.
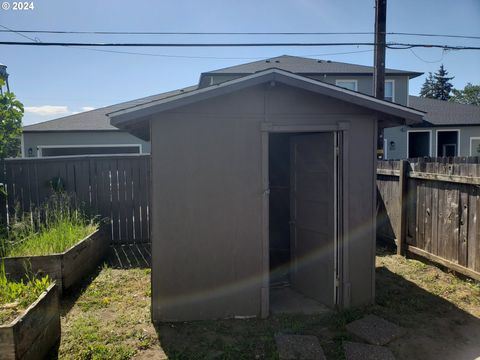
18 6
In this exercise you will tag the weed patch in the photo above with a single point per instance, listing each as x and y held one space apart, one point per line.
17 296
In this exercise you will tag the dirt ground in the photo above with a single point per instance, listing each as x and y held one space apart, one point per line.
440 310
109 318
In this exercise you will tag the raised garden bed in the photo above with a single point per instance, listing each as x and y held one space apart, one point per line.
66 268
33 333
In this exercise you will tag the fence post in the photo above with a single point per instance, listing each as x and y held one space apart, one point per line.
403 181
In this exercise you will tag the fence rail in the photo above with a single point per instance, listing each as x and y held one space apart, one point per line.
429 208
115 187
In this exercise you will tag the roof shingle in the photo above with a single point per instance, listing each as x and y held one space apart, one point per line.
302 65
446 113
96 120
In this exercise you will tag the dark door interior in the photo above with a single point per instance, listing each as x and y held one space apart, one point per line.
279 208
447 143
418 144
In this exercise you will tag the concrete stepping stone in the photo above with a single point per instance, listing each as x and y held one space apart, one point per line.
292 347
358 351
375 330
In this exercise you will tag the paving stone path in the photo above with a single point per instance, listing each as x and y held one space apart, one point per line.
359 351
375 330
293 347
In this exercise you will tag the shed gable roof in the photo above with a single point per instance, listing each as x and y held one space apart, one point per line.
138 116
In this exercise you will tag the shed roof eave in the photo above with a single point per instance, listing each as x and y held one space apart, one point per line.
126 116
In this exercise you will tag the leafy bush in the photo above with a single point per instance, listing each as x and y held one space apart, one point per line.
17 296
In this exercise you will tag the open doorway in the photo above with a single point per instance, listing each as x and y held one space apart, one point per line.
447 143
302 221
419 143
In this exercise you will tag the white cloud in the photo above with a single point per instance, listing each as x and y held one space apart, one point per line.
47 110
87 108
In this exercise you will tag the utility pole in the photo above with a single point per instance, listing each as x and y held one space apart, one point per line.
379 53
379 62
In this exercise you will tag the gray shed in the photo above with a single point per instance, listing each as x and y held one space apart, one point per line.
265 179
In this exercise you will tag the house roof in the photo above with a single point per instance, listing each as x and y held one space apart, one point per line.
302 65
446 113
135 118
96 120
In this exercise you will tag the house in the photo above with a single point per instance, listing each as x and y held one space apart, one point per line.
258 176
91 133
449 129
85 133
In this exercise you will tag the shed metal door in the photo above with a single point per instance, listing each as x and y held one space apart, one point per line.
312 215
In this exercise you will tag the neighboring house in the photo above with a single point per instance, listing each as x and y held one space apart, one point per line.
85 133
350 76
91 133
449 129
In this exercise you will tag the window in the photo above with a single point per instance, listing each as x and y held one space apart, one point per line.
475 146
418 144
60 150
347 84
390 90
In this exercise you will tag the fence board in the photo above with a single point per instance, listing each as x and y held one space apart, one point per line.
441 214
114 187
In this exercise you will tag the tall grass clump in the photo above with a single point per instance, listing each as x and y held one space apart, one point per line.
17 296
53 228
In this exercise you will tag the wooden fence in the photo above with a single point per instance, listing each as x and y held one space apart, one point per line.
429 208
115 187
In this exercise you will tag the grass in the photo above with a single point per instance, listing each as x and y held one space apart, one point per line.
461 293
53 239
53 228
17 296
111 319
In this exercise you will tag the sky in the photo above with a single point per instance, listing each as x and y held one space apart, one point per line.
58 81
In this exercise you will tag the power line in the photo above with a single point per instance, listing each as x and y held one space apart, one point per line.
427 61
391 45
19 33
186 32
180 56
212 57
234 33
435 35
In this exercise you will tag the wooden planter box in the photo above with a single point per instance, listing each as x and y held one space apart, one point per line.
33 334
65 268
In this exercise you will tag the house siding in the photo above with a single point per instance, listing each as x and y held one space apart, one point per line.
365 83
34 139
399 136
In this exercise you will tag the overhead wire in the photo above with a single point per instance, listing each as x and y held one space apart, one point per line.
247 33
391 45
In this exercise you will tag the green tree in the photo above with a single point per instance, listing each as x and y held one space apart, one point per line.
437 86
443 86
428 87
469 95
11 114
